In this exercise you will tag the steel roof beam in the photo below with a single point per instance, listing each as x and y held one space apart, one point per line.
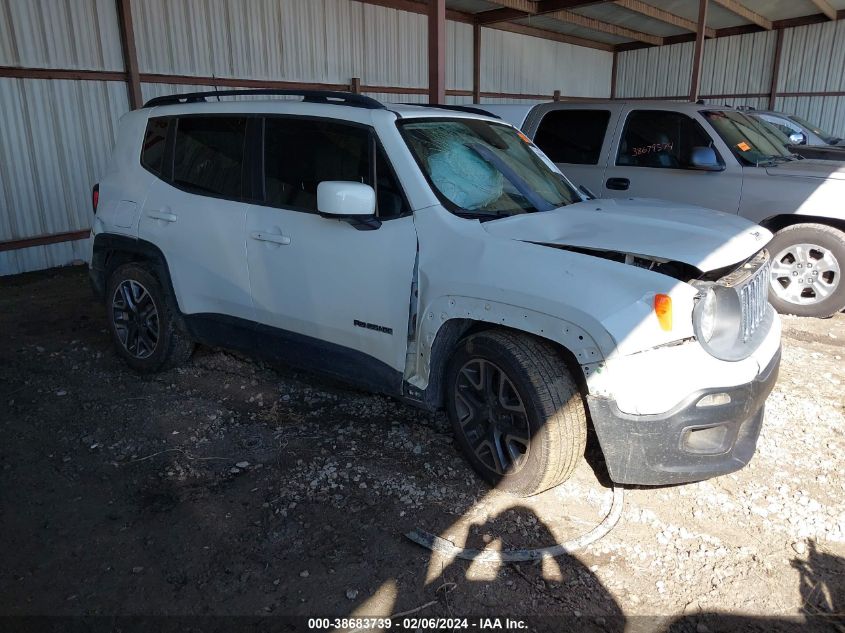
650 11
824 7
605 27
744 12
514 10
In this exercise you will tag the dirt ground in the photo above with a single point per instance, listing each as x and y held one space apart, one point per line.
230 487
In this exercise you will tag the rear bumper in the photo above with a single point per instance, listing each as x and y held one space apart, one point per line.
689 442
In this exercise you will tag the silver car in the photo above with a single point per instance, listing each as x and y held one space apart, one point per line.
712 156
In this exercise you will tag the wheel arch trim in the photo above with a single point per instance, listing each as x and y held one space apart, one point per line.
109 245
781 221
449 319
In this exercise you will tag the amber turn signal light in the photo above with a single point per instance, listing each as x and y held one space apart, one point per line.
663 310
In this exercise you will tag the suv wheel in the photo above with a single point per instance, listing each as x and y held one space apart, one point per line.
143 326
807 265
516 412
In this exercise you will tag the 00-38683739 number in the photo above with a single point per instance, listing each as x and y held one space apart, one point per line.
349 623
410 624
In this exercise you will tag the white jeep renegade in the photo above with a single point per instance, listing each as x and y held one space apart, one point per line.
436 255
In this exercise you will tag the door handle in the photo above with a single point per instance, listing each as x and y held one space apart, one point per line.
276 238
620 184
162 214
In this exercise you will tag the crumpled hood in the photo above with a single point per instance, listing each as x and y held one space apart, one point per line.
809 168
693 235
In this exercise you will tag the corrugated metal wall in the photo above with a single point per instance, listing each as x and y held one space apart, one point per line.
732 65
514 63
48 34
812 60
55 135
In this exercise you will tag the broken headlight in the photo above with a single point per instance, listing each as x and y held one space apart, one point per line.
705 314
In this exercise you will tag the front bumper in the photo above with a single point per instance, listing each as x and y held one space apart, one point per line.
689 442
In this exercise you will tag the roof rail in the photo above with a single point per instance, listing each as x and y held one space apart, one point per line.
459 108
310 96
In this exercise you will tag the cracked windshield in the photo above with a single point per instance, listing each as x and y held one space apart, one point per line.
483 170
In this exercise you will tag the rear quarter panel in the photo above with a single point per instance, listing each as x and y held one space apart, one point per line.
124 185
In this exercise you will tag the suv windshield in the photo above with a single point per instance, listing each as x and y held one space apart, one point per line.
486 170
828 138
748 139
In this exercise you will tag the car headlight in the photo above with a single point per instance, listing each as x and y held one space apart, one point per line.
706 313
718 322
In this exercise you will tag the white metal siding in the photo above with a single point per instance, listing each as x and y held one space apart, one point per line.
55 137
738 65
325 41
812 60
458 56
731 65
515 63
655 72
81 34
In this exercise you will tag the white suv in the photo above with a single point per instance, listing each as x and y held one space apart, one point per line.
436 255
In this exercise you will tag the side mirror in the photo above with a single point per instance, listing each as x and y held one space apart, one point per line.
704 159
344 199
797 138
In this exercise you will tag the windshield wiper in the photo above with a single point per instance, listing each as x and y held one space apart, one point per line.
481 215
769 161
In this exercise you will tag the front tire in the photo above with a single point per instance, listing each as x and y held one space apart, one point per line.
807 265
516 411
144 328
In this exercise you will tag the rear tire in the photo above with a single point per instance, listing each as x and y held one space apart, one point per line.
808 261
146 331
516 412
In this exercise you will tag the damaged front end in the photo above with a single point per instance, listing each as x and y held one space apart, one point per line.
675 269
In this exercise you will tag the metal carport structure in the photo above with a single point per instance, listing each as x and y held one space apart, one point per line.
69 70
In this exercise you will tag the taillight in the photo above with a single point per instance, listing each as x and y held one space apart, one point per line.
95 197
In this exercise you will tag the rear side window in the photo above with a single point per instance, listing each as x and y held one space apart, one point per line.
299 154
573 136
209 155
658 138
784 125
155 140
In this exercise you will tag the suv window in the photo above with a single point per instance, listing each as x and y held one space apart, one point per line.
209 155
155 141
299 154
784 125
658 138
573 136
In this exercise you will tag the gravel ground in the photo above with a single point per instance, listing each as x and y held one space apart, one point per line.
233 487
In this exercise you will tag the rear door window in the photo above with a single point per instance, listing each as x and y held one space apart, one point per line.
209 155
573 136
661 139
299 154
155 140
